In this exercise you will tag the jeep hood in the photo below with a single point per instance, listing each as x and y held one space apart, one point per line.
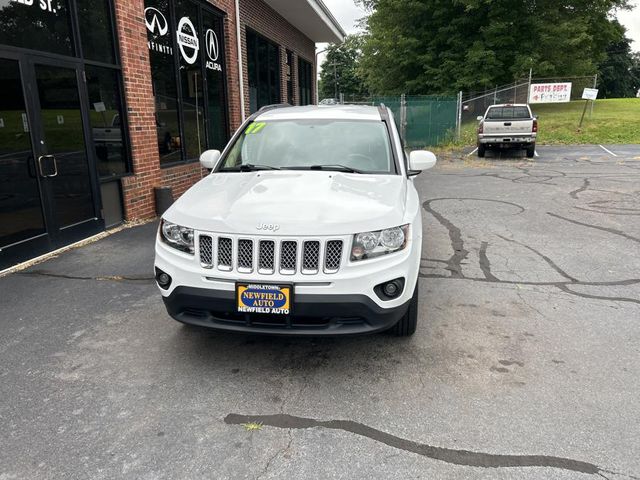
303 203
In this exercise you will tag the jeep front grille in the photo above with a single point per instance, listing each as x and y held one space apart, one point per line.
310 257
206 251
288 257
225 254
265 257
332 256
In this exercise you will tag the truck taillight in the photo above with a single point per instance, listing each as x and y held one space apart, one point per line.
534 129
480 128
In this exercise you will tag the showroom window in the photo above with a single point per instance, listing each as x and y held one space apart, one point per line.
290 99
187 70
104 87
305 82
27 24
263 68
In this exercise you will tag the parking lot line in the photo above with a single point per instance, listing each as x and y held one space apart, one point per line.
472 152
608 151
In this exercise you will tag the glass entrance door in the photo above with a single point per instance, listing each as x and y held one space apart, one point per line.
48 191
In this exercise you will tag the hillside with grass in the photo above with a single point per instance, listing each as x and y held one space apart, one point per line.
615 120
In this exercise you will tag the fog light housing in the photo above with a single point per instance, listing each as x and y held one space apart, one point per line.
163 279
390 290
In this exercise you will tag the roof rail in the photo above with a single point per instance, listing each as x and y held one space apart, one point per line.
273 107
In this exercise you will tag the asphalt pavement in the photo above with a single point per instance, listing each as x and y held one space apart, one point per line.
526 363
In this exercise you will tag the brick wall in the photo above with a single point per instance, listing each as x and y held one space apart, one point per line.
259 17
138 188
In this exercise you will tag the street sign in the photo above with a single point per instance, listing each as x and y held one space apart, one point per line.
550 92
590 94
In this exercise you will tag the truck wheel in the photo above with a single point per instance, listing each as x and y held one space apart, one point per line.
481 150
531 151
406 326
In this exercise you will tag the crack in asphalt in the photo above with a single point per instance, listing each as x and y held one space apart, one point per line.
585 186
454 263
452 456
597 227
103 278
485 265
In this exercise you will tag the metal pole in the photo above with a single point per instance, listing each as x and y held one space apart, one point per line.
316 82
403 118
459 119
495 95
529 88
595 85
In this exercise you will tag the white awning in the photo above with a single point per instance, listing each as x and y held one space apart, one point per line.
311 17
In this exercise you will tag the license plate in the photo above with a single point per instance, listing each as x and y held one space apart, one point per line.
264 298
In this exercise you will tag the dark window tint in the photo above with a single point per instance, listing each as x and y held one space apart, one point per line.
290 99
214 71
106 120
27 24
508 112
164 79
263 70
94 18
187 37
20 211
64 140
305 82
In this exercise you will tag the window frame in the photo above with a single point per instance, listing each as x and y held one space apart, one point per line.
269 43
200 6
308 75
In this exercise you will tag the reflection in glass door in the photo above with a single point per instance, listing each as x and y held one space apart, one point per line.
47 184
21 215
64 157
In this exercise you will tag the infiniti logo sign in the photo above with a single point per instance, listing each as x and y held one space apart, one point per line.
155 21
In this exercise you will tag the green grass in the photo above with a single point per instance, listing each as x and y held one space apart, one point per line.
614 120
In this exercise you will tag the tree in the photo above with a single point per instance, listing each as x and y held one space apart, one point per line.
340 70
443 46
617 77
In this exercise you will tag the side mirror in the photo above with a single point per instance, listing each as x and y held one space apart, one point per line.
421 160
209 158
479 118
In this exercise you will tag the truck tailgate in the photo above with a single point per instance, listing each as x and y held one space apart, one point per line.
508 127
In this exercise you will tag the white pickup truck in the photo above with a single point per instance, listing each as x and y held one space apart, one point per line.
507 126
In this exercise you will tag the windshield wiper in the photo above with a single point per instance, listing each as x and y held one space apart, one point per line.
248 167
335 168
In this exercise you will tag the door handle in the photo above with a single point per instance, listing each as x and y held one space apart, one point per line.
55 166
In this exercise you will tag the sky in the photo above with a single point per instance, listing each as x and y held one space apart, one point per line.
347 14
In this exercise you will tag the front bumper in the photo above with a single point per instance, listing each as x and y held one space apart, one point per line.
312 315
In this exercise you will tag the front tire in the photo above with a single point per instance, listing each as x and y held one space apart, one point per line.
407 325
481 150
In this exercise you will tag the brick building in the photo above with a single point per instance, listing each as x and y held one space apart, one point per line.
104 100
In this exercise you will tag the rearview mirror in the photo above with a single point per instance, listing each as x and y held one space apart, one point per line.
479 118
209 158
421 160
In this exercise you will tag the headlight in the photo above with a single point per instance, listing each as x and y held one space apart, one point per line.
177 236
381 242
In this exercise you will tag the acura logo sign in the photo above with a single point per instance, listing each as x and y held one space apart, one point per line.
211 41
188 40
155 21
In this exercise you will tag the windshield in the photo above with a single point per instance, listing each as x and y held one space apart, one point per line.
359 145
508 112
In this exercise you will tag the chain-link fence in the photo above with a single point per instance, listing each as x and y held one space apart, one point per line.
423 120
476 103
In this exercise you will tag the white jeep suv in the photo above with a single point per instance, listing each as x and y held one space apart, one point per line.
309 224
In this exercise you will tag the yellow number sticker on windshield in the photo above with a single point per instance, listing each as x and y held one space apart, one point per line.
255 128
